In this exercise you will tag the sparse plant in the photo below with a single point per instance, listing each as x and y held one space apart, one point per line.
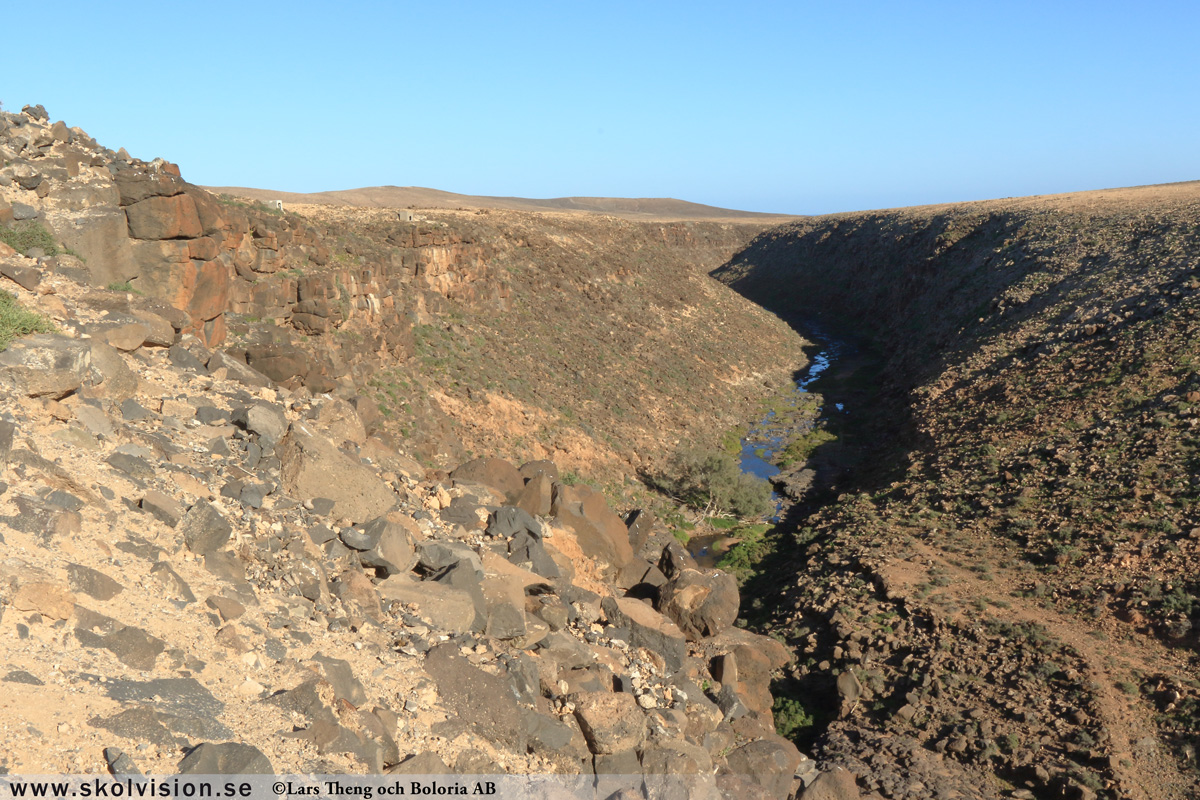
25 235
17 321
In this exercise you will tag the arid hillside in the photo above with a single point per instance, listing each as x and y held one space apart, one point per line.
1004 601
645 209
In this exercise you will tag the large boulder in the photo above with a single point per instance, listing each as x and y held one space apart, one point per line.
601 533
164 218
769 763
45 365
701 602
101 238
311 466
495 473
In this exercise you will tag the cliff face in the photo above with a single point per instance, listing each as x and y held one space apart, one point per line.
1026 540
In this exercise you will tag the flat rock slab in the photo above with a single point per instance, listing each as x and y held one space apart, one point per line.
26 277
311 466
127 337
45 365
231 758
92 582
437 605
483 702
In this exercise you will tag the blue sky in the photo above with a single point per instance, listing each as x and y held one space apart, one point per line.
791 107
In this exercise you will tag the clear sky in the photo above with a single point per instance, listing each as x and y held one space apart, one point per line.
795 107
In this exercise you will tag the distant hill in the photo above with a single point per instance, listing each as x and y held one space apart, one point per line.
648 208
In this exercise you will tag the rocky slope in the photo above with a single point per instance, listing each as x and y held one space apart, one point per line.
1004 602
588 339
218 560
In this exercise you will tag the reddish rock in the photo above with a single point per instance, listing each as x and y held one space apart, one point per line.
164 218
495 473
204 248
210 293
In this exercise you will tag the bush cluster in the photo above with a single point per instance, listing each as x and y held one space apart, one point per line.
711 480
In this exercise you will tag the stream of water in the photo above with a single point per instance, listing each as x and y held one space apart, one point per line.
768 435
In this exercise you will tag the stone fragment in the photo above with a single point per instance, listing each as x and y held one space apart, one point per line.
231 758
204 529
92 582
611 722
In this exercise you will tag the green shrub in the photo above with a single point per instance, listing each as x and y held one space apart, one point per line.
22 236
792 719
16 321
711 480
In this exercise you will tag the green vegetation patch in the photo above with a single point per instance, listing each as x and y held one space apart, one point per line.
744 558
712 481
800 448
25 235
17 321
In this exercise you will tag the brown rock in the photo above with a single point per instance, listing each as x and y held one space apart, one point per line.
279 362
835 785
117 381
494 473
535 497
164 218
127 337
358 593
768 763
